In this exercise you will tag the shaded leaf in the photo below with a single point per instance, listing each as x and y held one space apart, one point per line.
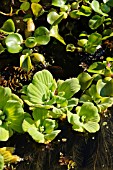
42 35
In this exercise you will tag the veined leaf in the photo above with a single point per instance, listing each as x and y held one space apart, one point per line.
6 94
70 87
46 78
36 135
51 136
15 114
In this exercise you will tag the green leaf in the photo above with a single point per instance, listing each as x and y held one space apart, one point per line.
92 127
58 3
52 135
55 112
97 67
105 89
85 98
54 33
92 91
5 92
82 42
70 87
85 80
14 115
13 42
37 9
25 6
95 39
107 33
104 103
4 134
36 135
42 35
84 10
30 42
37 93
49 125
89 112
96 7
46 78
96 21
87 118
74 119
105 8
8 26
52 17
28 123
1 162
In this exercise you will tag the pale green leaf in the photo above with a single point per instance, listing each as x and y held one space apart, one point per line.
28 123
52 135
70 87
54 33
36 135
4 134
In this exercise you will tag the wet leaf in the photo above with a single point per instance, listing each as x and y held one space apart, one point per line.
8 26
13 43
42 35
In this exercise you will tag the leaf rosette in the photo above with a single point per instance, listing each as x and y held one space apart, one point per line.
56 97
86 118
11 113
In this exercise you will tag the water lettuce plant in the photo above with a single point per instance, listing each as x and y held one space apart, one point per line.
45 92
41 128
86 118
11 113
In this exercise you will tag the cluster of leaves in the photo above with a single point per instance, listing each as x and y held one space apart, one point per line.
50 100
7 157
58 11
